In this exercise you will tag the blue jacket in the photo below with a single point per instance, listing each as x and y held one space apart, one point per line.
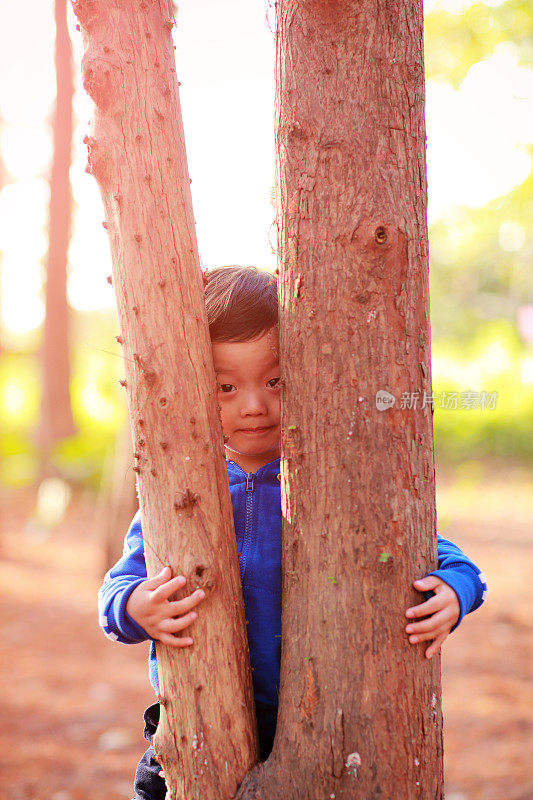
256 500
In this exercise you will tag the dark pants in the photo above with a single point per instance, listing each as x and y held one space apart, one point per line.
148 784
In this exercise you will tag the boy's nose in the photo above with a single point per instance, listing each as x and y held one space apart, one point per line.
253 403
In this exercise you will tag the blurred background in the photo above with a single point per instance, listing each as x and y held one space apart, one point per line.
73 701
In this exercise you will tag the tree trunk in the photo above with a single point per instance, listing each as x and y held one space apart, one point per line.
359 706
56 414
117 499
206 738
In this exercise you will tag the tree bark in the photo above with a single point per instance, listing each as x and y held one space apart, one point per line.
206 738
56 415
360 708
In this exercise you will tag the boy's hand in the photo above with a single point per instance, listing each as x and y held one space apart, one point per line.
442 610
148 605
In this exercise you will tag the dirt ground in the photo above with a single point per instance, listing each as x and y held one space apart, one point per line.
71 726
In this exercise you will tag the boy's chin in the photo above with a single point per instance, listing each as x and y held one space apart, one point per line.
251 448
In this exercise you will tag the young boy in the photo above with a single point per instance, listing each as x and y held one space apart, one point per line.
242 311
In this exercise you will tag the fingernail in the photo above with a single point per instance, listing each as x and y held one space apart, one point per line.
194 614
200 593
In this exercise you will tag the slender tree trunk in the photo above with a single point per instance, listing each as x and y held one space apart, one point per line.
56 416
359 706
206 738
117 499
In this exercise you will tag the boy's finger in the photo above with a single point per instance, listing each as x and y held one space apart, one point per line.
177 607
427 584
168 588
177 625
433 634
428 607
435 646
159 579
432 624
175 641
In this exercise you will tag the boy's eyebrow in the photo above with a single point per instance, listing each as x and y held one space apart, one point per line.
273 363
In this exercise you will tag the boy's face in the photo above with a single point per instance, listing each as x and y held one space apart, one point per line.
249 395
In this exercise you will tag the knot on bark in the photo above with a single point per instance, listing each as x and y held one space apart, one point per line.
200 575
98 80
98 162
187 500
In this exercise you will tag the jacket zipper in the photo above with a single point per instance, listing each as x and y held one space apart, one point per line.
250 478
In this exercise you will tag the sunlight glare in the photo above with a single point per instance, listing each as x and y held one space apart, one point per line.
26 150
22 302
476 154
13 397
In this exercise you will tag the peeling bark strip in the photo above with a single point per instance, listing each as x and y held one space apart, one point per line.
309 701
359 706
206 739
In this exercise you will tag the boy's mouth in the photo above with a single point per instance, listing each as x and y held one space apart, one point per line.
255 430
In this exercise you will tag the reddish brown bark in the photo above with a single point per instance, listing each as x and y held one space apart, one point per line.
359 706
56 414
206 739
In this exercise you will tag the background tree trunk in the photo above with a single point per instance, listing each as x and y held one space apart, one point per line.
206 738
117 499
359 706
56 414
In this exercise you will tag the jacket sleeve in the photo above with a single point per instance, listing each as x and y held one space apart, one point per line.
118 584
459 572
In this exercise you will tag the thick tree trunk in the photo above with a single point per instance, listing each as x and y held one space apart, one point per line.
206 738
359 706
56 416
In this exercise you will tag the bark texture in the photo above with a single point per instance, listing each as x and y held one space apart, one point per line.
56 415
360 708
206 738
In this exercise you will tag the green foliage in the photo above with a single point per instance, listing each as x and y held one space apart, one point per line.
495 360
98 407
453 42
481 264
19 411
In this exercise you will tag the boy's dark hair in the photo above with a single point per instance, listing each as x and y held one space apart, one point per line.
241 303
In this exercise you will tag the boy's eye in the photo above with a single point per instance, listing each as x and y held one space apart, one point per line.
275 384
225 387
